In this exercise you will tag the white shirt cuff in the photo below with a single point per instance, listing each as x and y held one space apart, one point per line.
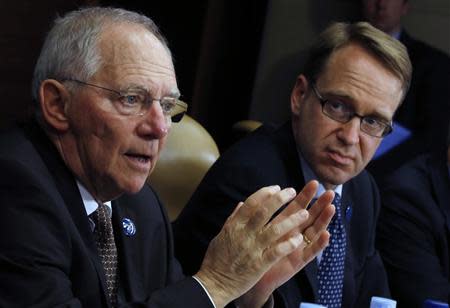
206 291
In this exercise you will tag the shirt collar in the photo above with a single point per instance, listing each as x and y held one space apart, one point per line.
90 204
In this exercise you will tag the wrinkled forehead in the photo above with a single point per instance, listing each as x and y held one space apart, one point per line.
354 72
131 46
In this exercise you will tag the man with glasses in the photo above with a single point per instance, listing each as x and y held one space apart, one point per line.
342 106
80 229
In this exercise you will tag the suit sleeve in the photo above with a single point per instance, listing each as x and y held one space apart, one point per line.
409 240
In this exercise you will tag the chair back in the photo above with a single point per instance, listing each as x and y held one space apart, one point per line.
188 154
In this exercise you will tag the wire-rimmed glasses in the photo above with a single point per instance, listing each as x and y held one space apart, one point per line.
137 101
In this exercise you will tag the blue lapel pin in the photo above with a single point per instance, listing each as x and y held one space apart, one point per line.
128 227
348 212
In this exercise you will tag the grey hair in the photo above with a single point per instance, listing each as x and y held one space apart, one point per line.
71 49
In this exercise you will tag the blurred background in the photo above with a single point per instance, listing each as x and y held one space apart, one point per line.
234 59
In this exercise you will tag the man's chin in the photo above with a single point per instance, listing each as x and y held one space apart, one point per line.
334 176
133 186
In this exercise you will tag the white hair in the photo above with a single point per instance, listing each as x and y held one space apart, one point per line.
71 49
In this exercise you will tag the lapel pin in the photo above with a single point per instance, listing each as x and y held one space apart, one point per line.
128 227
348 213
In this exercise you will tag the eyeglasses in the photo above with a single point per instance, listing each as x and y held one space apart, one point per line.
343 113
137 101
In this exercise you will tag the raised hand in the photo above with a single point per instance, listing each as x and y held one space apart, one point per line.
316 239
254 254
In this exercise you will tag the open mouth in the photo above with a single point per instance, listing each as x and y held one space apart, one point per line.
142 158
139 160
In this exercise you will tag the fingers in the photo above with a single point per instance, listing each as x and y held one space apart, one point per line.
253 202
305 196
324 199
258 209
301 201
321 214
275 230
316 246
284 248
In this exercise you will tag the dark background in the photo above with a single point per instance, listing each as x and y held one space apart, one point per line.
214 43
219 49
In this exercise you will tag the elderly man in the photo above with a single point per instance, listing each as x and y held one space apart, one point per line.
79 226
342 107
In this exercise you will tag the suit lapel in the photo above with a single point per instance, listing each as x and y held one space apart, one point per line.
131 285
68 190
286 143
347 203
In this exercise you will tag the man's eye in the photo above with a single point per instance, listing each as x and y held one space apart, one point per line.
337 106
132 100
372 122
167 104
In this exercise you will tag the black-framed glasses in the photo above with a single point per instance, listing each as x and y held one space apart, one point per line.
137 101
343 113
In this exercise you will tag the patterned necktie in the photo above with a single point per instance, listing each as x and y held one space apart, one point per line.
331 267
107 251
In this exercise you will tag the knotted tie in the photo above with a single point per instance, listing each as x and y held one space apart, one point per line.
331 267
106 246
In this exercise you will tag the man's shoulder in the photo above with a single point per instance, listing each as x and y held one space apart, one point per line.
267 156
17 152
13 142
415 173
267 141
145 203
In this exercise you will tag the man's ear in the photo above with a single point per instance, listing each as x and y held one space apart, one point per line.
54 98
299 94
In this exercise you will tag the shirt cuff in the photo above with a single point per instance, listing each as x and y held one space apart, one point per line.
270 302
206 291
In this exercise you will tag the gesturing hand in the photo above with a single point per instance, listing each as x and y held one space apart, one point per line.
254 253
314 228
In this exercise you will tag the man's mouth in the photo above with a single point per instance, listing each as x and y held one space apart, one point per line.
139 160
340 158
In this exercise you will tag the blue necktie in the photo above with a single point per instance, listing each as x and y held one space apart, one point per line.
331 267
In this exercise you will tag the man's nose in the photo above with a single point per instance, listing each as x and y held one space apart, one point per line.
156 123
350 131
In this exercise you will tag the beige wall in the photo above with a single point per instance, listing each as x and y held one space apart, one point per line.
292 24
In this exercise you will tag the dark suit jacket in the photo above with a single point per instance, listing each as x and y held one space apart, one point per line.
269 157
48 256
425 110
414 231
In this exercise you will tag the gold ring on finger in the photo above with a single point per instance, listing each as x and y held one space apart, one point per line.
306 239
